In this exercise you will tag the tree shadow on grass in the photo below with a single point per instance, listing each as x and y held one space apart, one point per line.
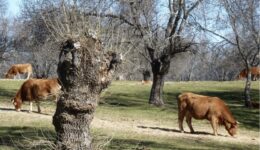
127 144
23 111
7 92
177 131
178 143
26 137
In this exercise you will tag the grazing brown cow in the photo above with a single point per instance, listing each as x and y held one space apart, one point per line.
255 73
18 69
204 107
34 90
144 82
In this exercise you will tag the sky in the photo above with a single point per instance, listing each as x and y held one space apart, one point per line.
13 7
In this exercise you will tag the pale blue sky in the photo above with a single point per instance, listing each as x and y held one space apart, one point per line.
13 7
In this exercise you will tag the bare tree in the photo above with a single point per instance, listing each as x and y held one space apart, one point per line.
3 28
243 20
162 38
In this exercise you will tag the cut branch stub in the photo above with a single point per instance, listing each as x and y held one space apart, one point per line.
84 70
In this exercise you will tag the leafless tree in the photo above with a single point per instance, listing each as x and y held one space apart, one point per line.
3 28
243 20
162 38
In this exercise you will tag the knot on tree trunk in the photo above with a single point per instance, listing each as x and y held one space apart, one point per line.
78 104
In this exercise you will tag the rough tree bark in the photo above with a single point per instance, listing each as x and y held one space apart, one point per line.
83 73
160 67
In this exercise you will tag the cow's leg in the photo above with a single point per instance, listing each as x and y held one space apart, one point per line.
181 116
55 98
188 120
30 106
28 75
38 106
214 124
18 76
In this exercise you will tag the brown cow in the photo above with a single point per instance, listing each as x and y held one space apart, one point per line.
34 90
255 72
204 107
18 69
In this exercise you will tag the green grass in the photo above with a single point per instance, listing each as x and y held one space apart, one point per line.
127 102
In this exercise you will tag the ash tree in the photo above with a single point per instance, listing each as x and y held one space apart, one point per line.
162 37
3 28
241 22
243 17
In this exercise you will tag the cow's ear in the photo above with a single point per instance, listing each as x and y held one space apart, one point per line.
12 100
237 122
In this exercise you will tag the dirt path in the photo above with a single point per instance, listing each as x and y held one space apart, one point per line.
144 127
155 129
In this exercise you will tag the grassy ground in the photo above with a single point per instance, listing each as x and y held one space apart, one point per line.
124 120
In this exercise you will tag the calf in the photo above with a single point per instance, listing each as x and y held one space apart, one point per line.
34 90
18 69
196 106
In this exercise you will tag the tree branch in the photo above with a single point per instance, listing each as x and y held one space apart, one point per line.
120 17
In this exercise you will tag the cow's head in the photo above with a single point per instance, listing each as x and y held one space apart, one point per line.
233 129
8 76
17 103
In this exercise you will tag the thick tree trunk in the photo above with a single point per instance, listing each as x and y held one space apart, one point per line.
248 89
160 67
72 119
156 94
83 73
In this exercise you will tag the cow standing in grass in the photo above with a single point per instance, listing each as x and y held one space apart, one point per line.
18 69
196 106
255 71
35 90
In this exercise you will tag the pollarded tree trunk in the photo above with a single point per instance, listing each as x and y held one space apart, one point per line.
83 71
156 94
160 68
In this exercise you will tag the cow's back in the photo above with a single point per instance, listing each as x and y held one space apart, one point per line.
24 68
202 107
195 104
255 70
34 89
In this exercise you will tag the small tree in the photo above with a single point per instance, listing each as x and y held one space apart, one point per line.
244 21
